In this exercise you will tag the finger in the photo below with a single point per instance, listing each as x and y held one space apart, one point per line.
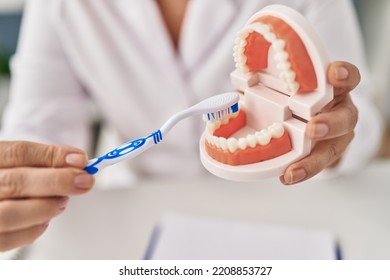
25 213
23 153
340 120
324 154
43 182
334 102
11 240
343 76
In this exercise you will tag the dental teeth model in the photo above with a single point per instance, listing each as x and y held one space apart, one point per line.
281 75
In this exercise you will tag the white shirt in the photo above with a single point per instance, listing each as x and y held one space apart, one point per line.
119 54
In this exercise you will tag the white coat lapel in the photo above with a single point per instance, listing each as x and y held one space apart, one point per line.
146 25
208 38
207 44
204 24
146 29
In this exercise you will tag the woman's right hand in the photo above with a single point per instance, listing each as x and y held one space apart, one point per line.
36 181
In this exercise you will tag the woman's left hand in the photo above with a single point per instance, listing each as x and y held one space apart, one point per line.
332 130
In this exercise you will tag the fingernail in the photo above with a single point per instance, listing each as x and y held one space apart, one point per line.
341 73
62 202
321 130
295 176
83 181
78 160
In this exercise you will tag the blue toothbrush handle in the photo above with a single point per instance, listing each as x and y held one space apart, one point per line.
126 151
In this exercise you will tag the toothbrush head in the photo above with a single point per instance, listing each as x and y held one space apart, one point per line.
222 113
219 106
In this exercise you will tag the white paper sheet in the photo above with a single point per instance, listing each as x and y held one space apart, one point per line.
187 237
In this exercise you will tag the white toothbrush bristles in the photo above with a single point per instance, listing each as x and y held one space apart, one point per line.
221 114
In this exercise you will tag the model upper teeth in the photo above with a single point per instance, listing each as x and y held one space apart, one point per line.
278 45
232 144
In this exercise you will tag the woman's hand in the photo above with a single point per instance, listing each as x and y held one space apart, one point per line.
332 130
35 182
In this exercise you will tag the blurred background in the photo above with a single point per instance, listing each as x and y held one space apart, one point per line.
375 23
10 16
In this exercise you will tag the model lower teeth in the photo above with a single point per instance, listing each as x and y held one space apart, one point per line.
232 144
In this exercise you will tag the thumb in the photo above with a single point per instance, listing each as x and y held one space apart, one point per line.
343 76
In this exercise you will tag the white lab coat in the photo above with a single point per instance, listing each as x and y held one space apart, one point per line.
119 54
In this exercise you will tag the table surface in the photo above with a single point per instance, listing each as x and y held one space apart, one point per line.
117 224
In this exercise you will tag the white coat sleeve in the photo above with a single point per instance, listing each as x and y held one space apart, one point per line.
337 24
47 103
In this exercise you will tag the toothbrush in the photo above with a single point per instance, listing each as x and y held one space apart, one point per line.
213 108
